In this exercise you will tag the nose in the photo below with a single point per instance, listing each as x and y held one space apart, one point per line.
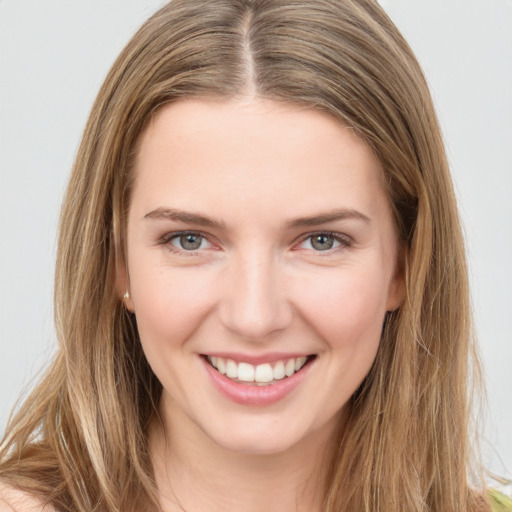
254 304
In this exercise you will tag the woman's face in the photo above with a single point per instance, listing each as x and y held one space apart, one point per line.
262 258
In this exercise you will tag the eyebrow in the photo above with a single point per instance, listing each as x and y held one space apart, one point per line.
329 216
203 220
186 217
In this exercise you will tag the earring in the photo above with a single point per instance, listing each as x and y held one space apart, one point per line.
126 301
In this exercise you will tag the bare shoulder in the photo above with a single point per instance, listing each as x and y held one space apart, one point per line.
13 500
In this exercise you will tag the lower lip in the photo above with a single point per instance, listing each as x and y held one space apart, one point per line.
248 394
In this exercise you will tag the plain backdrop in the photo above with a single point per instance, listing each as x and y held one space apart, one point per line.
53 58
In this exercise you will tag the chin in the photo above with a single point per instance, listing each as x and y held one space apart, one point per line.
252 436
267 445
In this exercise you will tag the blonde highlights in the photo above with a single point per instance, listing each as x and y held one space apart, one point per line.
80 440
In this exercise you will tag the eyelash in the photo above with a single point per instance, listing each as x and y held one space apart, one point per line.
167 241
343 240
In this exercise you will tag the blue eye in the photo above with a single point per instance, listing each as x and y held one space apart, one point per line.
324 242
189 241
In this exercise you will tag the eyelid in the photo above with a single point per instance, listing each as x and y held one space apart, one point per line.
169 237
344 240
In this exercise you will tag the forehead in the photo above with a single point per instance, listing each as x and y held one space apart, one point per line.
249 151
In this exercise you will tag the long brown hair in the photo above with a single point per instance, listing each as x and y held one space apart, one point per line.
79 441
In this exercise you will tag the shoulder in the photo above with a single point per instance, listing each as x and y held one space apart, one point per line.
13 500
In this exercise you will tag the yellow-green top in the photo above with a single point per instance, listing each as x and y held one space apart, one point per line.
500 502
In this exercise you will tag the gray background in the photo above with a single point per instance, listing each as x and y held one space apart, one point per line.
53 58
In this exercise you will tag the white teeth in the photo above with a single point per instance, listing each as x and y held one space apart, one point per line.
299 363
220 364
289 369
279 370
264 373
261 374
231 369
245 372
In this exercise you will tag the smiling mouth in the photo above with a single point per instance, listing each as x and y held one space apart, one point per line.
265 374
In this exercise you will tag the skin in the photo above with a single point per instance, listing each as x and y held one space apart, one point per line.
255 286
14 500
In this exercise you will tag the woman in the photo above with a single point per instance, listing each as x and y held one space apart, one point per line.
261 281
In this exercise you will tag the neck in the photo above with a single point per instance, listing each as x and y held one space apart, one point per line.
194 474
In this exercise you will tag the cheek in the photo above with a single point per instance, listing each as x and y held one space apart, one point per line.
170 305
348 309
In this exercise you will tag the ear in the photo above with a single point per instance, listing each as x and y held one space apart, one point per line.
396 293
122 280
396 289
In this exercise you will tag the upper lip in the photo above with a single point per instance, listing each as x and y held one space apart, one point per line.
256 359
